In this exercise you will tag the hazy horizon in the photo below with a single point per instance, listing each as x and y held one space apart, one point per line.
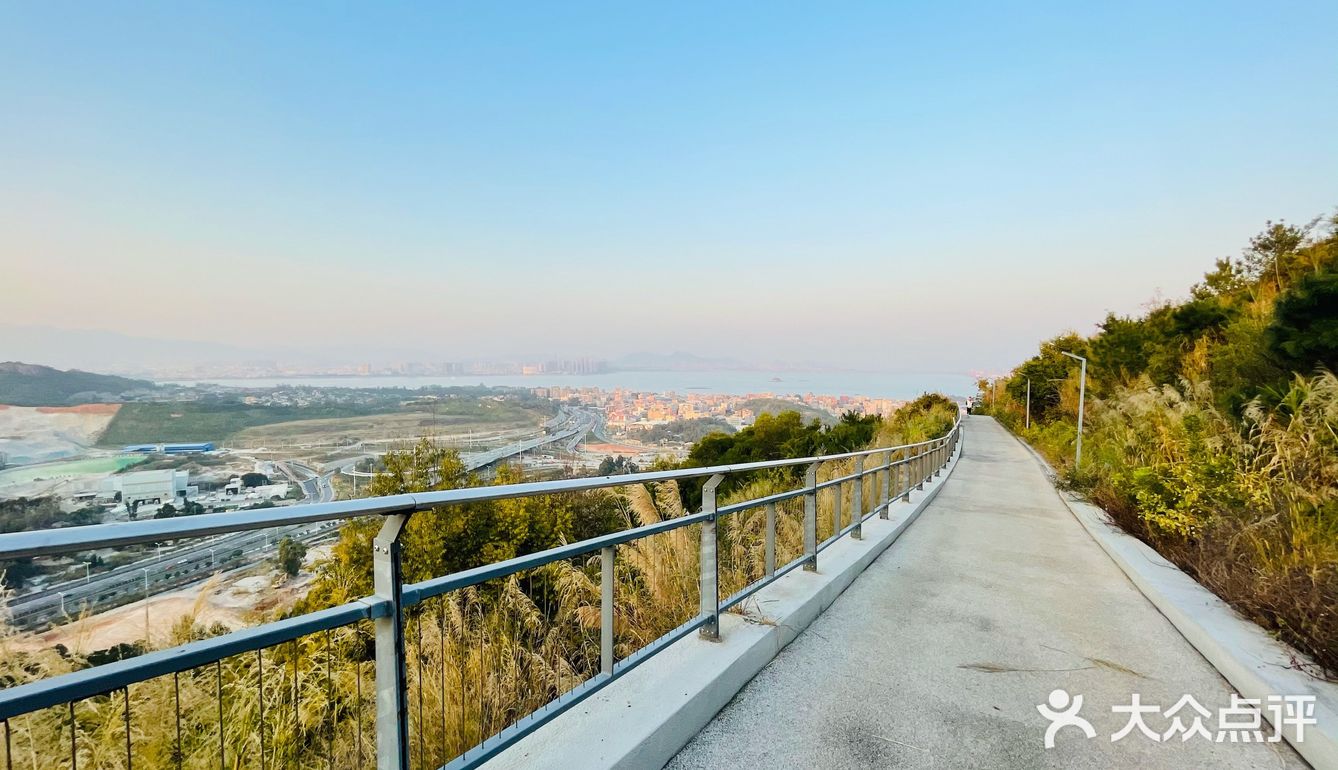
872 187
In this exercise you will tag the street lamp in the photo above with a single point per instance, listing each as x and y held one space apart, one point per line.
1082 393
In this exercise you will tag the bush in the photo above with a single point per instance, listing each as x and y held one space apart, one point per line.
290 556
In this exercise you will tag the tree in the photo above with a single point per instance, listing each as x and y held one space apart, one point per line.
290 556
165 511
615 466
1304 332
1047 370
853 431
254 480
1273 253
441 540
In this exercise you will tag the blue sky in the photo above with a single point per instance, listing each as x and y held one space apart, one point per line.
885 185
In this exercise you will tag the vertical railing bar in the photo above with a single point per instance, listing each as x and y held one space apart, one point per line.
460 669
297 726
709 563
836 510
857 501
885 497
218 691
770 557
329 703
74 745
176 689
9 752
904 476
811 517
129 758
482 690
557 685
361 706
260 698
418 642
606 610
441 633
392 713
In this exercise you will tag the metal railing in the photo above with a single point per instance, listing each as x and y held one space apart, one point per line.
899 470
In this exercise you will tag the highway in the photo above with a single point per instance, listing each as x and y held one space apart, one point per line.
575 424
178 567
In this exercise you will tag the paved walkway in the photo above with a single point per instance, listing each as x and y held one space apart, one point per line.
938 655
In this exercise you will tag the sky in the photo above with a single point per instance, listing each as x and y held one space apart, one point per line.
890 186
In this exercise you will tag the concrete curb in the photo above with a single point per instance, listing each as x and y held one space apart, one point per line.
1256 664
644 718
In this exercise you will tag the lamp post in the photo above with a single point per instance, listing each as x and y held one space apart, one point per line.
1028 403
1082 393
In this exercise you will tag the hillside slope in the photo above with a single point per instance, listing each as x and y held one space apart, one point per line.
34 385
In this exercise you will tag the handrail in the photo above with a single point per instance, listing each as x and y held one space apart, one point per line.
388 608
50 542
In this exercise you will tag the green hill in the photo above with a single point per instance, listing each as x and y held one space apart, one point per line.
33 385
775 406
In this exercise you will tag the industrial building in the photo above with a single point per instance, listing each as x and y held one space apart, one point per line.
152 487
169 449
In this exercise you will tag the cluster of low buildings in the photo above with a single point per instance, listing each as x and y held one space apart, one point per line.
147 491
626 408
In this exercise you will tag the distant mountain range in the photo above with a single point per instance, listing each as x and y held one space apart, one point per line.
163 358
32 385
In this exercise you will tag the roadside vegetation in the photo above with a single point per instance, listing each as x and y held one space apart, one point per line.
1211 429
478 658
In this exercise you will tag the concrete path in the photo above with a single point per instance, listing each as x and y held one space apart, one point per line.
938 655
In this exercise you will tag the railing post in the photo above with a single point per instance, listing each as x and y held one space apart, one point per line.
920 468
710 564
392 714
606 610
770 565
836 510
811 517
939 460
857 500
886 496
904 473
